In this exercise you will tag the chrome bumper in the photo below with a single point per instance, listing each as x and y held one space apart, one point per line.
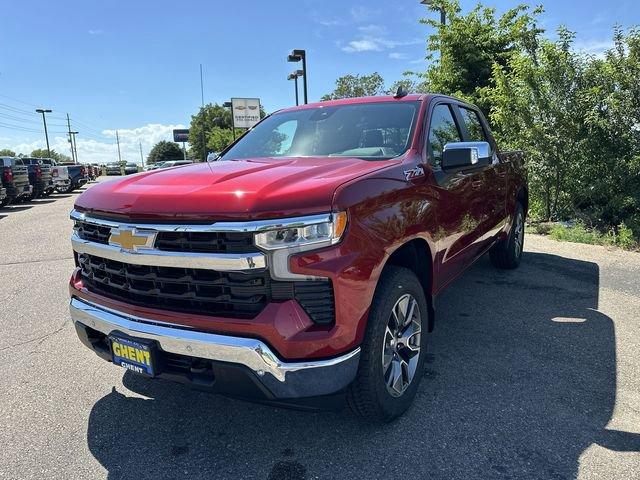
283 379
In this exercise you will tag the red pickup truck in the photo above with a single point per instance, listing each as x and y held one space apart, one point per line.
301 267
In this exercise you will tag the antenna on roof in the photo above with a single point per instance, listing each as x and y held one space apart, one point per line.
401 92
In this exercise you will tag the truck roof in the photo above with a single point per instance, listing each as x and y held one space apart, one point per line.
412 97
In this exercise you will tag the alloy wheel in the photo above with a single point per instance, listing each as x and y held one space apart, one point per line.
401 345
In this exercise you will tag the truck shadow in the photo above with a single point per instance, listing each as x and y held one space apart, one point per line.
520 380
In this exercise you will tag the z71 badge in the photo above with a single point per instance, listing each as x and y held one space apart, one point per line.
413 173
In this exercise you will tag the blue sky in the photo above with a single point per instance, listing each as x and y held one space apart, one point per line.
134 65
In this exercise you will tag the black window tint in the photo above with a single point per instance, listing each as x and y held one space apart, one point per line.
442 130
474 125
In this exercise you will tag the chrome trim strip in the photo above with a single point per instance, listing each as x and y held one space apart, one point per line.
222 262
252 226
252 353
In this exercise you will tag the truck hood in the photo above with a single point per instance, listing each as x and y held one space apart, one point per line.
245 189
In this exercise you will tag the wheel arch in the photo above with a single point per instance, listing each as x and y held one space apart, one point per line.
416 255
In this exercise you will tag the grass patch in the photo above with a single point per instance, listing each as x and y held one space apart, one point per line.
621 237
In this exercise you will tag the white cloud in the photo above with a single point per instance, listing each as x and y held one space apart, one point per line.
92 150
95 32
368 43
362 46
398 56
362 14
593 47
331 22
373 29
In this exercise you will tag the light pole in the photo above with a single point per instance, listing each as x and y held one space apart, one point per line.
44 120
229 105
296 56
437 5
294 76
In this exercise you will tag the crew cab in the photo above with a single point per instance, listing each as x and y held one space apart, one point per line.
14 177
68 177
39 176
300 267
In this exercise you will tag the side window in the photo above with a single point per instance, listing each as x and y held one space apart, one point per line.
442 130
474 125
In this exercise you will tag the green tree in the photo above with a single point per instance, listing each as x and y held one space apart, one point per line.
58 157
465 49
349 86
5 152
219 138
208 118
536 108
163 151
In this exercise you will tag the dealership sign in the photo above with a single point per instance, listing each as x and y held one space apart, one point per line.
181 135
246 112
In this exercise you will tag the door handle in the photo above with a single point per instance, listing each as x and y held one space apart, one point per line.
476 183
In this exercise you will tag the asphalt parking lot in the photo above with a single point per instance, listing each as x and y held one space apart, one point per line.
533 373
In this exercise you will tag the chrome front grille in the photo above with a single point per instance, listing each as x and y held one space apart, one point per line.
188 269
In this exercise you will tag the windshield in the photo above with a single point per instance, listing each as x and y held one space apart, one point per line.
373 131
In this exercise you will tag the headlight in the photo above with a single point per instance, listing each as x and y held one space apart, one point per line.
315 231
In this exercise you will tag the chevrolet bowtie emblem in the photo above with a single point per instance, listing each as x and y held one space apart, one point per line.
130 239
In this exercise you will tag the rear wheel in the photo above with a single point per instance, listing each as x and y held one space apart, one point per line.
508 253
393 351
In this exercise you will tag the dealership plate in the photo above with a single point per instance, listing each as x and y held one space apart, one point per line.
136 355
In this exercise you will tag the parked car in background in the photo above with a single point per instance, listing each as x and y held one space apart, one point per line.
130 168
15 179
39 176
303 269
68 177
176 163
114 169
97 170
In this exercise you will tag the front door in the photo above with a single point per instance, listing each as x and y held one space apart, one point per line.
461 204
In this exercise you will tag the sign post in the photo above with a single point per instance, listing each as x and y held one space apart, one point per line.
181 135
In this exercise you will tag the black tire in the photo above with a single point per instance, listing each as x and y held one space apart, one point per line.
369 396
508 253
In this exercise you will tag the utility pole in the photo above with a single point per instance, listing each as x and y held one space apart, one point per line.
118 142
204 142
74 145
141 157
44 120
73 156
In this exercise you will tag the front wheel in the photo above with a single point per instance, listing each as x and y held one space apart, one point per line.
393 350
508 253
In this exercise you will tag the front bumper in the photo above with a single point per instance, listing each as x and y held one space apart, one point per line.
276 379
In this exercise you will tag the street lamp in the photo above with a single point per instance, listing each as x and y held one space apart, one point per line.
229 105
296 56
44 120
437 5
294 76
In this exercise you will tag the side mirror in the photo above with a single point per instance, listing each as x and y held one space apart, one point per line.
460 155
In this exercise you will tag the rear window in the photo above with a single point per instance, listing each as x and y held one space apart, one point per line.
474 125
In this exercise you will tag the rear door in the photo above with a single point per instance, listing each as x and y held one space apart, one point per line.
494 188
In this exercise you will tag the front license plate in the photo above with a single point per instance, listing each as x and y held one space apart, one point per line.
133 354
